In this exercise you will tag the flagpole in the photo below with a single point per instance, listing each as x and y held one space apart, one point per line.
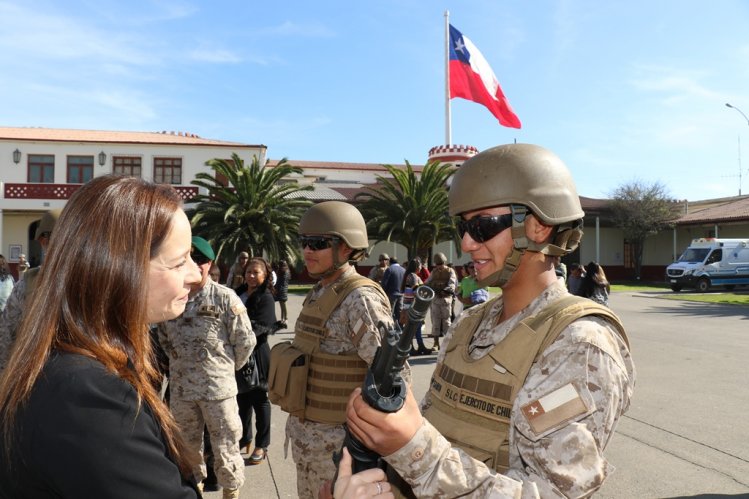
448 125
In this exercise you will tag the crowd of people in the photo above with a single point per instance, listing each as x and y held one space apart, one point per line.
554 367
589 281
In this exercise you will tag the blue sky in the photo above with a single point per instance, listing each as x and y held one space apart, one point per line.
622 91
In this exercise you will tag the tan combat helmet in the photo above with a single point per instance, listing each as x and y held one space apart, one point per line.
439 259
342 221
47 223
525 178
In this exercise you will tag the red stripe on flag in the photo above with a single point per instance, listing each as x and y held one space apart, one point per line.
466 84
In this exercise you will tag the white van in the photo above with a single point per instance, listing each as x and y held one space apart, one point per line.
709 262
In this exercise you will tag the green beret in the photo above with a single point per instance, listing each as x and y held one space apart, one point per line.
204 247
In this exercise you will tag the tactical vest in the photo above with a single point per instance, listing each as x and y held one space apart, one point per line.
440 278
471 400
331 377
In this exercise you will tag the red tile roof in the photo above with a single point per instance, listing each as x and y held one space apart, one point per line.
732 210
104 136
334 165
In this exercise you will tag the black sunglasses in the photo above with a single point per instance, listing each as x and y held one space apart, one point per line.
315 243
199 258
481 229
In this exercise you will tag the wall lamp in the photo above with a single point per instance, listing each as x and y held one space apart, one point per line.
102 158
16 156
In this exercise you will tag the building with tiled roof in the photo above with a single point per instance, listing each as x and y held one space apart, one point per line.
733 210
41 167
38 134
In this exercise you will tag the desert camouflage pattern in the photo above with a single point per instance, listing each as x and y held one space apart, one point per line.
376 274
10 319
312 448
564 461
225 428
441 308
312 444
206 344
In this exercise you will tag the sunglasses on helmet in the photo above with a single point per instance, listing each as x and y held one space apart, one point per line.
481 229
315 243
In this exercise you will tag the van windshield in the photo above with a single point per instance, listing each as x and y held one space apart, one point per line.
694 255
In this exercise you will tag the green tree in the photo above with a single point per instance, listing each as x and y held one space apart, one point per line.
410 210
642 210
256 209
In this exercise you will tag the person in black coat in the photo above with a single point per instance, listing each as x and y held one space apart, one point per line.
79 415
252 378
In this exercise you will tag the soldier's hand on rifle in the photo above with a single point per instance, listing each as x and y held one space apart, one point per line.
368 483
383 432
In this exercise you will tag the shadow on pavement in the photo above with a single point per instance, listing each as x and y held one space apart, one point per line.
697 309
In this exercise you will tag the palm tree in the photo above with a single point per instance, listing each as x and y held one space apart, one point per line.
256 209
410 210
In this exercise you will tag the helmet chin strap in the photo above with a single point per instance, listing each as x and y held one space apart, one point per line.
520 244
566 238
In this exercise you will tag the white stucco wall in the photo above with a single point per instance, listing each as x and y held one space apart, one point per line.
14 232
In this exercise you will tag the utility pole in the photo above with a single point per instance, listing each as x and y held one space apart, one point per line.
739 140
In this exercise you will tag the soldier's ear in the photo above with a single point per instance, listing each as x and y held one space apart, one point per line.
536 230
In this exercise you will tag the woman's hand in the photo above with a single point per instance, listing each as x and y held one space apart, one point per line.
369 483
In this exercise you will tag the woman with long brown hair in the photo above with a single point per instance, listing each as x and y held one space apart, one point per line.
79 416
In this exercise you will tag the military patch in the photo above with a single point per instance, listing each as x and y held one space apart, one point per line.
238 308
554 408
208 311
359 328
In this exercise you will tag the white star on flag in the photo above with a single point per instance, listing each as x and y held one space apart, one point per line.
459 46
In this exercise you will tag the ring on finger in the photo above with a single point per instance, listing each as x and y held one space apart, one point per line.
379 488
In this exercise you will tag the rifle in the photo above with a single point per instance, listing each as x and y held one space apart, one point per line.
384 388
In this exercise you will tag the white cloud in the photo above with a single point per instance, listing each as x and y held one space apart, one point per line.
218 56
29 33
290 28
677 87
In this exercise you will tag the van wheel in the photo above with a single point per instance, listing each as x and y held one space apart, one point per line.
703 285
675 288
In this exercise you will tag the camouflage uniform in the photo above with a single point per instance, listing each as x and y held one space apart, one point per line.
566 461
206 345
313 444
10 319
376 274
441 308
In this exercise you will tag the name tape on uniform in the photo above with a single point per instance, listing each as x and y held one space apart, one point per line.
472 402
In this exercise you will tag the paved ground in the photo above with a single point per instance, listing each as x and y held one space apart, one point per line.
686 434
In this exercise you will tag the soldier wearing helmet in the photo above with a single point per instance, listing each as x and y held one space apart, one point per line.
524 375
336 335
379 270
11 316
444 282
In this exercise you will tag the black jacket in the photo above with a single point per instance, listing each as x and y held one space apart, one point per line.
261 308
82 434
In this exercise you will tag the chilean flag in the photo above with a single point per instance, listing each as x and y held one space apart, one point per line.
471 78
